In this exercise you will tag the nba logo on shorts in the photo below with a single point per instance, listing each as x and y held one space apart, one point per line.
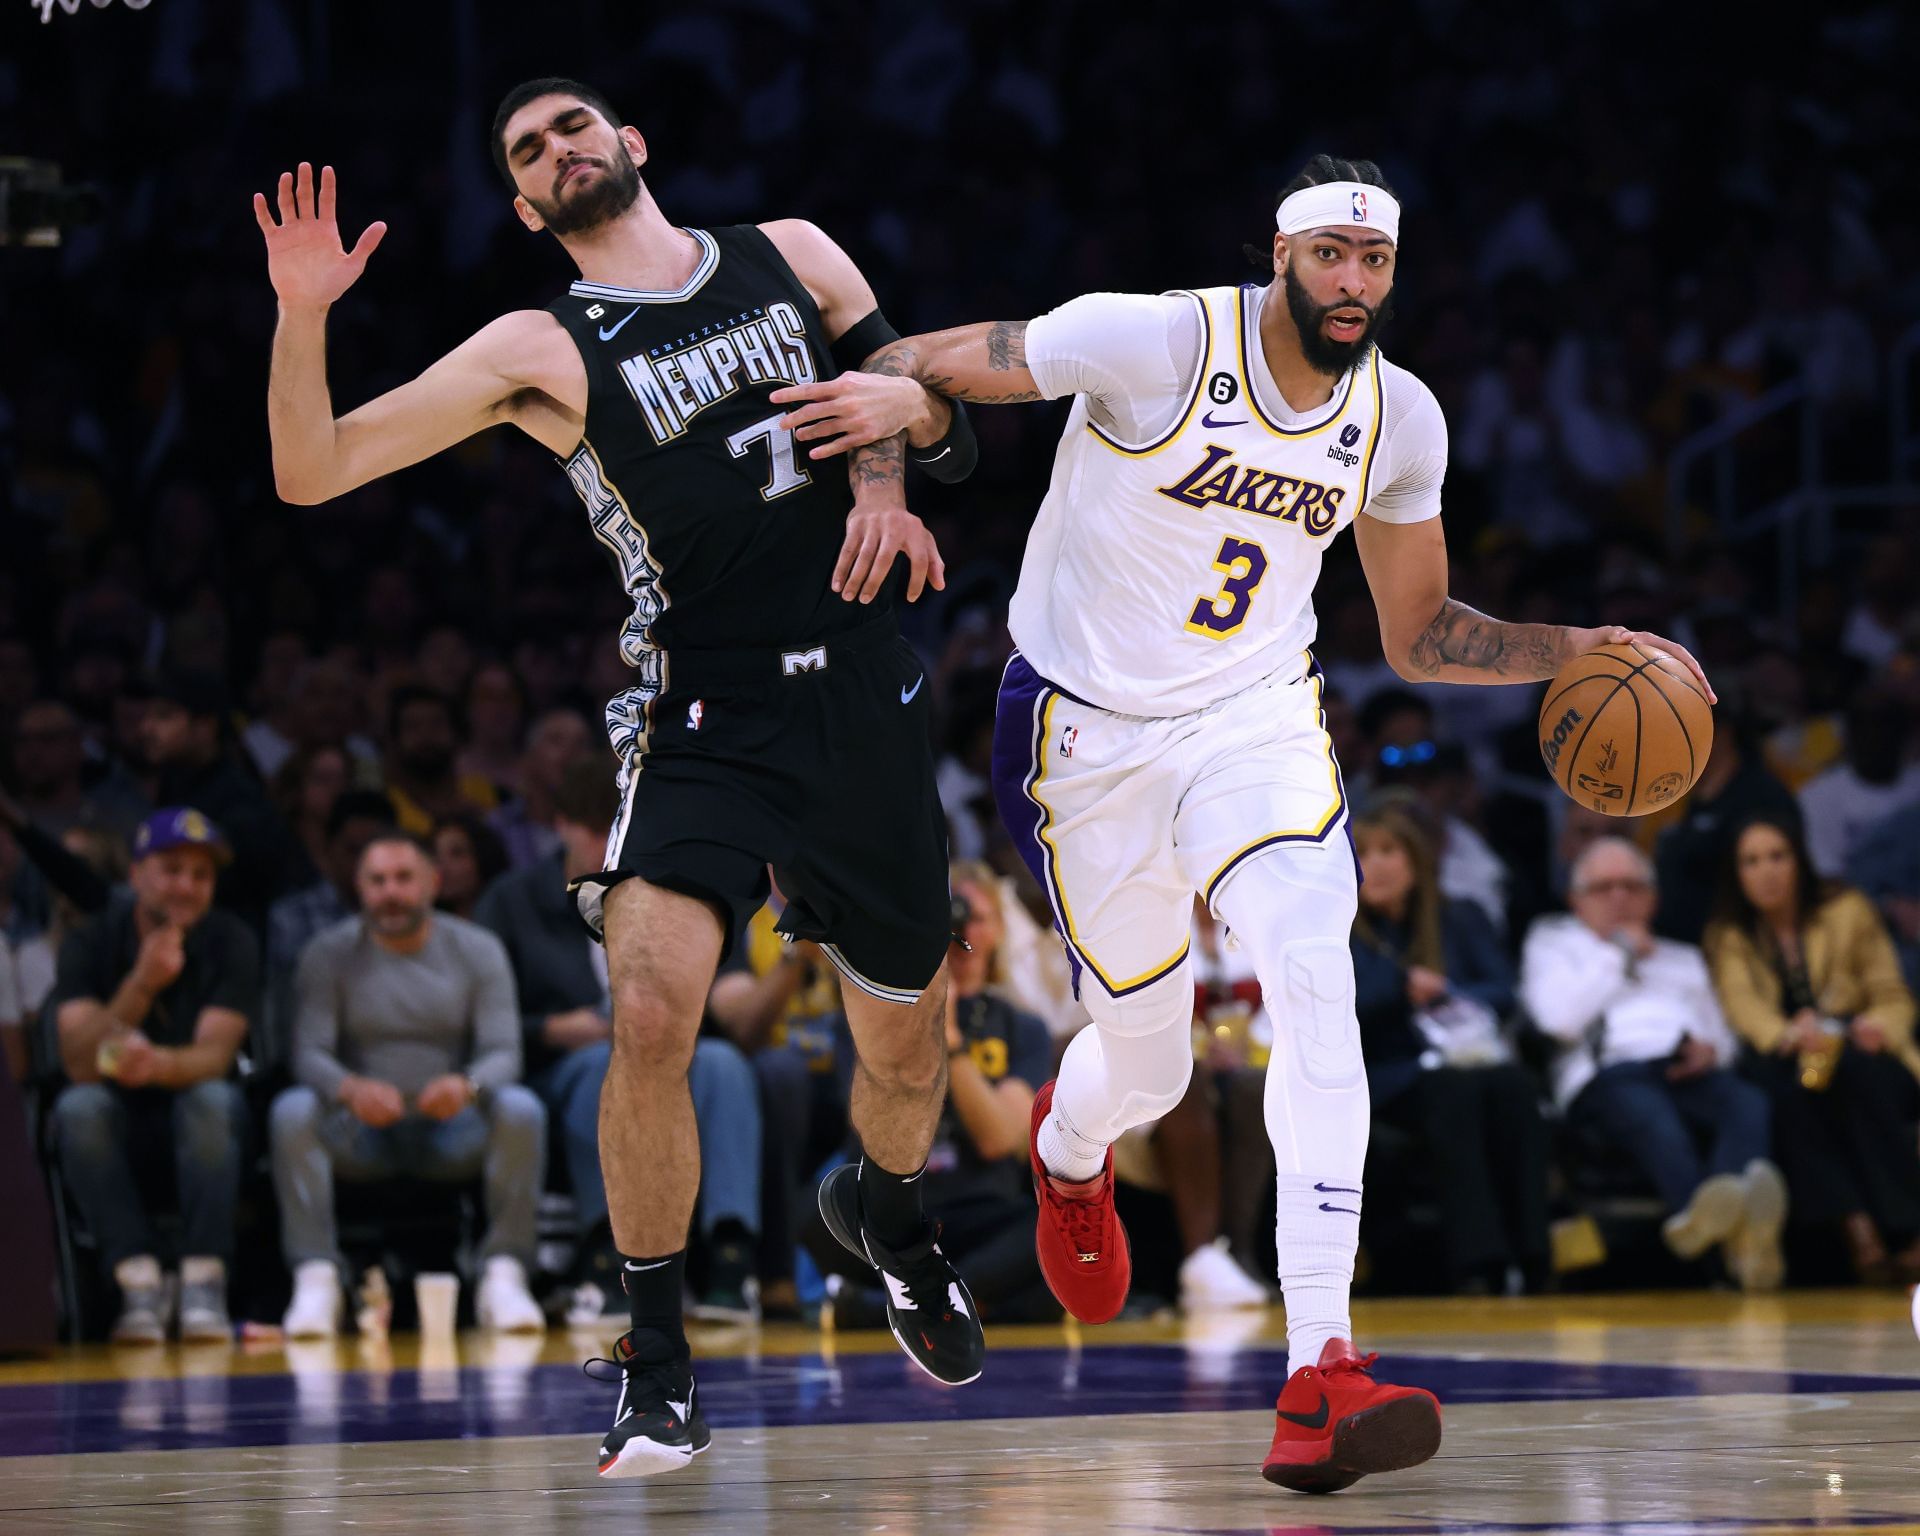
694 712
1067 738
1359 207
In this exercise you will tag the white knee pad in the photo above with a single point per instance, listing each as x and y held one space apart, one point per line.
1133 1063
1314 995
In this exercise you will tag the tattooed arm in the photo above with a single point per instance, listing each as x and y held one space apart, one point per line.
981 364
1431 637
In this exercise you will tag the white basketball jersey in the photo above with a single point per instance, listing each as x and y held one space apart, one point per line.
1163 576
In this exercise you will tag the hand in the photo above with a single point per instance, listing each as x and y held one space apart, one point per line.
1867 1034
138 1063
1695 1058
1616 634
373 1103
444 1097
875 534
1803 1033
309 266
576 1027
1424 986
852 410
163 955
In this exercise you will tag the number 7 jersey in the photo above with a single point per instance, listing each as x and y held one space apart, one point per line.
723 532
1166 572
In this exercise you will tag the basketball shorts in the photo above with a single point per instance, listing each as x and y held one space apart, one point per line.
1123 818
817 763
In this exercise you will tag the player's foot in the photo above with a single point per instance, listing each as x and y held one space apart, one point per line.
929 1309
1082 1246
1335 1424
656 1424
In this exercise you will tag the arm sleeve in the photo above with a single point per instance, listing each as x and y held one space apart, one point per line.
1568 979
1120 350
496 1016
1888 1002
1734 966
1416 443
316 1022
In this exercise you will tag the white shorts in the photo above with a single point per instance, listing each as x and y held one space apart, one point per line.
1123 819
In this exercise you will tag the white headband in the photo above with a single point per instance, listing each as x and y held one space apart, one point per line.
1341 202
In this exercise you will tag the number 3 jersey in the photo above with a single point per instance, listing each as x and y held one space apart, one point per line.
1173 560
723 531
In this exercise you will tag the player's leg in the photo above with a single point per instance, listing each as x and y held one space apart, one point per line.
1089 799
868 880
1262 832
662 950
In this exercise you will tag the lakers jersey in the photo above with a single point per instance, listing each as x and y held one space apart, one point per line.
1164 574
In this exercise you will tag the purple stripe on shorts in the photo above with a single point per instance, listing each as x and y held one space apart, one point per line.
1017 749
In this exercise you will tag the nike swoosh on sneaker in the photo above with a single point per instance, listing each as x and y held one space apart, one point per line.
608 332
906 697
1206 419
1315 1420
682 1413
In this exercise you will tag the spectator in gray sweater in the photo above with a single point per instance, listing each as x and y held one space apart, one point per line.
407 1054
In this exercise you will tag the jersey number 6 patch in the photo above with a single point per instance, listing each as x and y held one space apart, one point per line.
1242 565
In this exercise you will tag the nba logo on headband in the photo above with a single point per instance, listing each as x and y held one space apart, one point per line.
1359 207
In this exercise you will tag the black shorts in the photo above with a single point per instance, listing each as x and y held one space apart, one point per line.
817 762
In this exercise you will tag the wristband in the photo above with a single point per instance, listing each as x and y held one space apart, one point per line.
952 458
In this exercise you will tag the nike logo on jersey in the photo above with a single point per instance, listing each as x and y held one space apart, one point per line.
1220 479
1315 1420
608 332
906 694
1208 421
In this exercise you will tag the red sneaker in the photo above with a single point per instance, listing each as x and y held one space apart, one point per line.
1082 1246
1336 1424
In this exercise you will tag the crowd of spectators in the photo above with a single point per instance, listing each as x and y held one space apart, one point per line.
366 732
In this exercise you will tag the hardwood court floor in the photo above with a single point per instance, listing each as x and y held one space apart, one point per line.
1645 1415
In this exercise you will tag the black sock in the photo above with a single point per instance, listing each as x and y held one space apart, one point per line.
656 1291
890 1204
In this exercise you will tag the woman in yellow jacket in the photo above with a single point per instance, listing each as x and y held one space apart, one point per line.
1808 977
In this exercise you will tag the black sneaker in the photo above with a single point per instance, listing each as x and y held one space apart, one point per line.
929 1310
656 1424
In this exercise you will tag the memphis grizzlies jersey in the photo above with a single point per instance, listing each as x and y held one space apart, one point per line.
1162 575
723 531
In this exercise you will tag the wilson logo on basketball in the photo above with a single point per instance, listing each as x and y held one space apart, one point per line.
1551 746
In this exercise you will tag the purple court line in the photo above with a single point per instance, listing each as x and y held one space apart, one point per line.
485 1402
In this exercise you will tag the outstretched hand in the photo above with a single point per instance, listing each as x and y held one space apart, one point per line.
309 265
850 411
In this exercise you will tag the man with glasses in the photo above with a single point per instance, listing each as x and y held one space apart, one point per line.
1646 1059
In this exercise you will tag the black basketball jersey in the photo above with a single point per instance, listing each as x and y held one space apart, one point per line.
723 531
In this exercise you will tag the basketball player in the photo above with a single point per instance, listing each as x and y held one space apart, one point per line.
772 722
1160 732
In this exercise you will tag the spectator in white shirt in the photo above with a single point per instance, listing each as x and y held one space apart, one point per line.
1644 1062
1839 805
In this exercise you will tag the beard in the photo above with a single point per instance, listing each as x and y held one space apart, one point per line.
1322 352
395 921
599 201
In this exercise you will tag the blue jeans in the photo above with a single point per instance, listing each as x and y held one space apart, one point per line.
1633 1106
505 1140
726 1105
100 1129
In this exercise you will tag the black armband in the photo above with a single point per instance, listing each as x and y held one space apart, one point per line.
949 460
861 340
952 458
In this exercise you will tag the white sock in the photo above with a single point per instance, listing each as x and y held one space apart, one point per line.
1318 1231
1066 1153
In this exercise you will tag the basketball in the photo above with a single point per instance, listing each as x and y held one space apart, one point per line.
1625 729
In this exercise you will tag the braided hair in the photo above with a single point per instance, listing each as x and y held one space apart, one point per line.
1317 172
